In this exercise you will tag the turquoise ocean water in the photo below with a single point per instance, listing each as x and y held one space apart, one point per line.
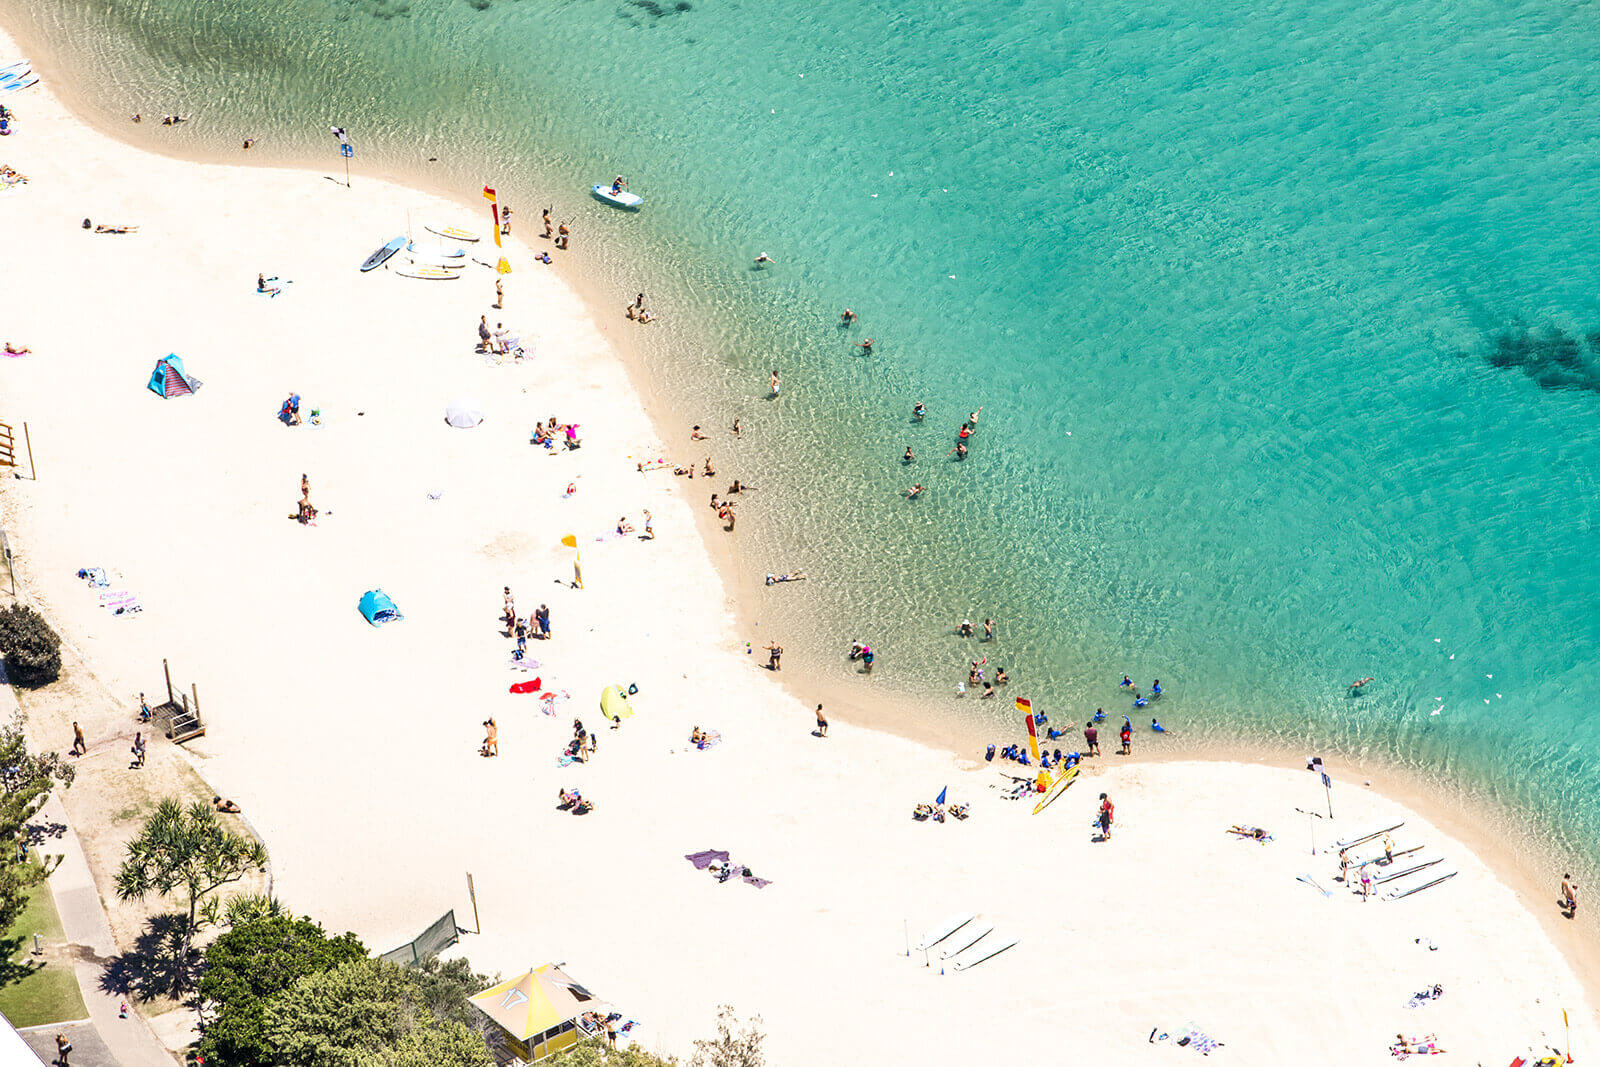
1283 319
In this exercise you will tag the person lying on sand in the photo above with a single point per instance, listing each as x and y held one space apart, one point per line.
13 349
173 120
225 805
697 737
959 810
102 228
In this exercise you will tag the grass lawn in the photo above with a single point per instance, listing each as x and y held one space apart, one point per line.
34 993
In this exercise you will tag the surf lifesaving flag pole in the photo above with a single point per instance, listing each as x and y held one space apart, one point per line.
1024 705
346 150
577 564
1327 787
494 216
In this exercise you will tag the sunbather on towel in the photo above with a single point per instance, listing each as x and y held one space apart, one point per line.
14 349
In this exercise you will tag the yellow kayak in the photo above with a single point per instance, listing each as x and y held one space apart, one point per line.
1057 789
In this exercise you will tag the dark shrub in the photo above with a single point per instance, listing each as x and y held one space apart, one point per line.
31 650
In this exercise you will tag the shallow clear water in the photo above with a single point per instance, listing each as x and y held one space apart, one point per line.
1278 317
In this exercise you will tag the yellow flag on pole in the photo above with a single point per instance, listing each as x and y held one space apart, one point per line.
494 212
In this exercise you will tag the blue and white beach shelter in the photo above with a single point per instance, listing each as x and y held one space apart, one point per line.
168 379
378 608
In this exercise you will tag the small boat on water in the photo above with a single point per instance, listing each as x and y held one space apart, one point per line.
618 198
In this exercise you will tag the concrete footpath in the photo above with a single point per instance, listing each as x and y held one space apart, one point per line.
129 1041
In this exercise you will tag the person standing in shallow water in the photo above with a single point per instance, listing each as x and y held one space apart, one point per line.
774 657
1569 897
774 382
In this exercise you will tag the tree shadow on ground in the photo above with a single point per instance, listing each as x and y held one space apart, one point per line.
13 971
157 966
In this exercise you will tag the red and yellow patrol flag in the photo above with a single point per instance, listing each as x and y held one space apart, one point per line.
494 212
1026 707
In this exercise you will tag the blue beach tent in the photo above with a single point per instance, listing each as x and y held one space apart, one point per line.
378 608
168 379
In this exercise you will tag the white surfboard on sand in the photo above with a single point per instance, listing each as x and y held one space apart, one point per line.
970 935
1361 839
944 930
985 954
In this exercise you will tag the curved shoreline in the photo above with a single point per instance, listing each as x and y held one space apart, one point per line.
901 711
634 373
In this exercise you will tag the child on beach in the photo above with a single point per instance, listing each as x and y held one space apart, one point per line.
491 739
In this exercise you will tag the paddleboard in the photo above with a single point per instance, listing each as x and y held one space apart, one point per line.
528 687
1407 873
31 79
622 199
453 233
437 253
422 259
19 67
962 965
381 256
970 936
430 274
1420 888
1056 790
944 930
1364 838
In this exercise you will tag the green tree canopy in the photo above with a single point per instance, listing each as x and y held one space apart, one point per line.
251 963
186 850
25 784
366 1013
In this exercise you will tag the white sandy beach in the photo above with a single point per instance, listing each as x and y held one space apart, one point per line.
354 749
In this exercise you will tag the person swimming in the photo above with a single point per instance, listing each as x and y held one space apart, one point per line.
918 411
1157 727
1127 683
909 457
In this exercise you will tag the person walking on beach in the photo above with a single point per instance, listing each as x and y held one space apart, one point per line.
774 382
508 609
774 657
822 722
1091 738
491 739
505 221
79 745
1107 814
1569 897
563 236
1127 737
483 333
499 294
547 227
